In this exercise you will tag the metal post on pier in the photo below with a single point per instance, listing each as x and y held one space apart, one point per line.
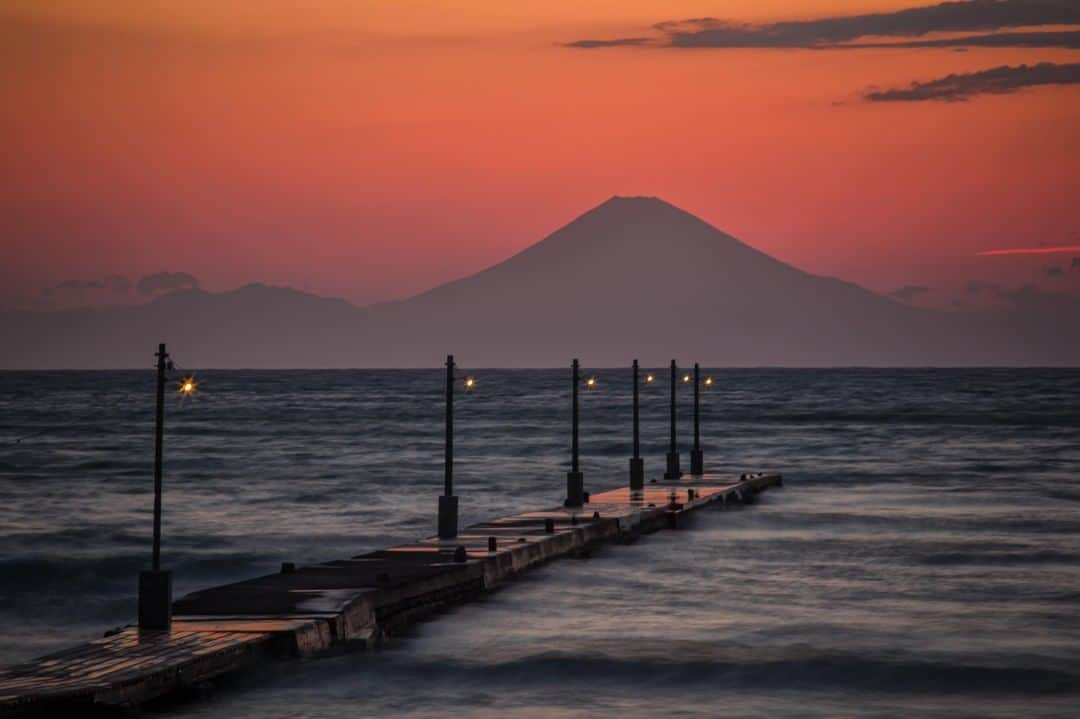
448 503
155 585
673 469
637 465
697 457
575 480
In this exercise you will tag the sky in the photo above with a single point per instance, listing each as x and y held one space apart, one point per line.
371 149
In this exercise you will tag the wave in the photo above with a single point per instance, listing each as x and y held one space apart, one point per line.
821 672
1042 556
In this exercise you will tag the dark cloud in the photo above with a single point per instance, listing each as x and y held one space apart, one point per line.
1025 292
1069 39
80 285
118 283
1075 264
909 292
975 287
1029 296
964 16
617 42
165 281
1054 271
997 81
70 288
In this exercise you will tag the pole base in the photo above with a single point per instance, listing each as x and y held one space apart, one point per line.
673 470
155 600
575 489
637 474
697 462
448 506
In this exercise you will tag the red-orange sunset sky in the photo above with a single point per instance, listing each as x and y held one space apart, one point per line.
371 149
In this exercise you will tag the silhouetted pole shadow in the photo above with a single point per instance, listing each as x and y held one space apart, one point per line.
673 470
448 503
575 480
637 465
155 585
697 457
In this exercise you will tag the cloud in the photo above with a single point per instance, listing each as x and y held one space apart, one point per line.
1075 264
963 16
616 42
1069 39
1045 250
118 283
1054 271
996 81
975 287
80 285
165 281
909 292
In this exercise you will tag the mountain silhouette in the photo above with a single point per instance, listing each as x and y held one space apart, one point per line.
633 277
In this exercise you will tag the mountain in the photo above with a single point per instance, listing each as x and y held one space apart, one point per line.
253 326
633 277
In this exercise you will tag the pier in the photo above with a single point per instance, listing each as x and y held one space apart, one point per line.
358 602
349 603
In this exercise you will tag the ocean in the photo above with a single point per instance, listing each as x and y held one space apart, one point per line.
922 559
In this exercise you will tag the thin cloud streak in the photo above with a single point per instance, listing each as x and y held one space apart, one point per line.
995 81
839 31
616 42
1029 251
1068 39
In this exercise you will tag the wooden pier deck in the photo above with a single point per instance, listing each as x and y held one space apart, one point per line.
349 602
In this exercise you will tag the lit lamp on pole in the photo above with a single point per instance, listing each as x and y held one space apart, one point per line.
448 502
697 457
575 479
673 470
637 464
155 584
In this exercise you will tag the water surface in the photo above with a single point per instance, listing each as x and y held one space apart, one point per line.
923 558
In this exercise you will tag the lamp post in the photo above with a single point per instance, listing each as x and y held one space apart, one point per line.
575 480
697 459
673 470
637 464
448 503
155 585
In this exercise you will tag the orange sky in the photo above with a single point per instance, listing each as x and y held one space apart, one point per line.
370 149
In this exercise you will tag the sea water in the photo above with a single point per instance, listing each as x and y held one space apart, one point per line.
923 557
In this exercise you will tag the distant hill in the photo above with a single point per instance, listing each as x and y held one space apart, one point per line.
633 277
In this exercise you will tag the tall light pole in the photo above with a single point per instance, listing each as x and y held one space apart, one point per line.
448 503
673 470
637 465
155 585
575 480
697 459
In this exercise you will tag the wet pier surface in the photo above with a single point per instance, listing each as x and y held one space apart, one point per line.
355 602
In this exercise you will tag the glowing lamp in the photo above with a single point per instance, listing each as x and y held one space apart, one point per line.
649 377
686 378
188 386
470 382
590 383
708 381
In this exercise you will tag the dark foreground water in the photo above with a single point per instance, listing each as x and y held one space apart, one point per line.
923 559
